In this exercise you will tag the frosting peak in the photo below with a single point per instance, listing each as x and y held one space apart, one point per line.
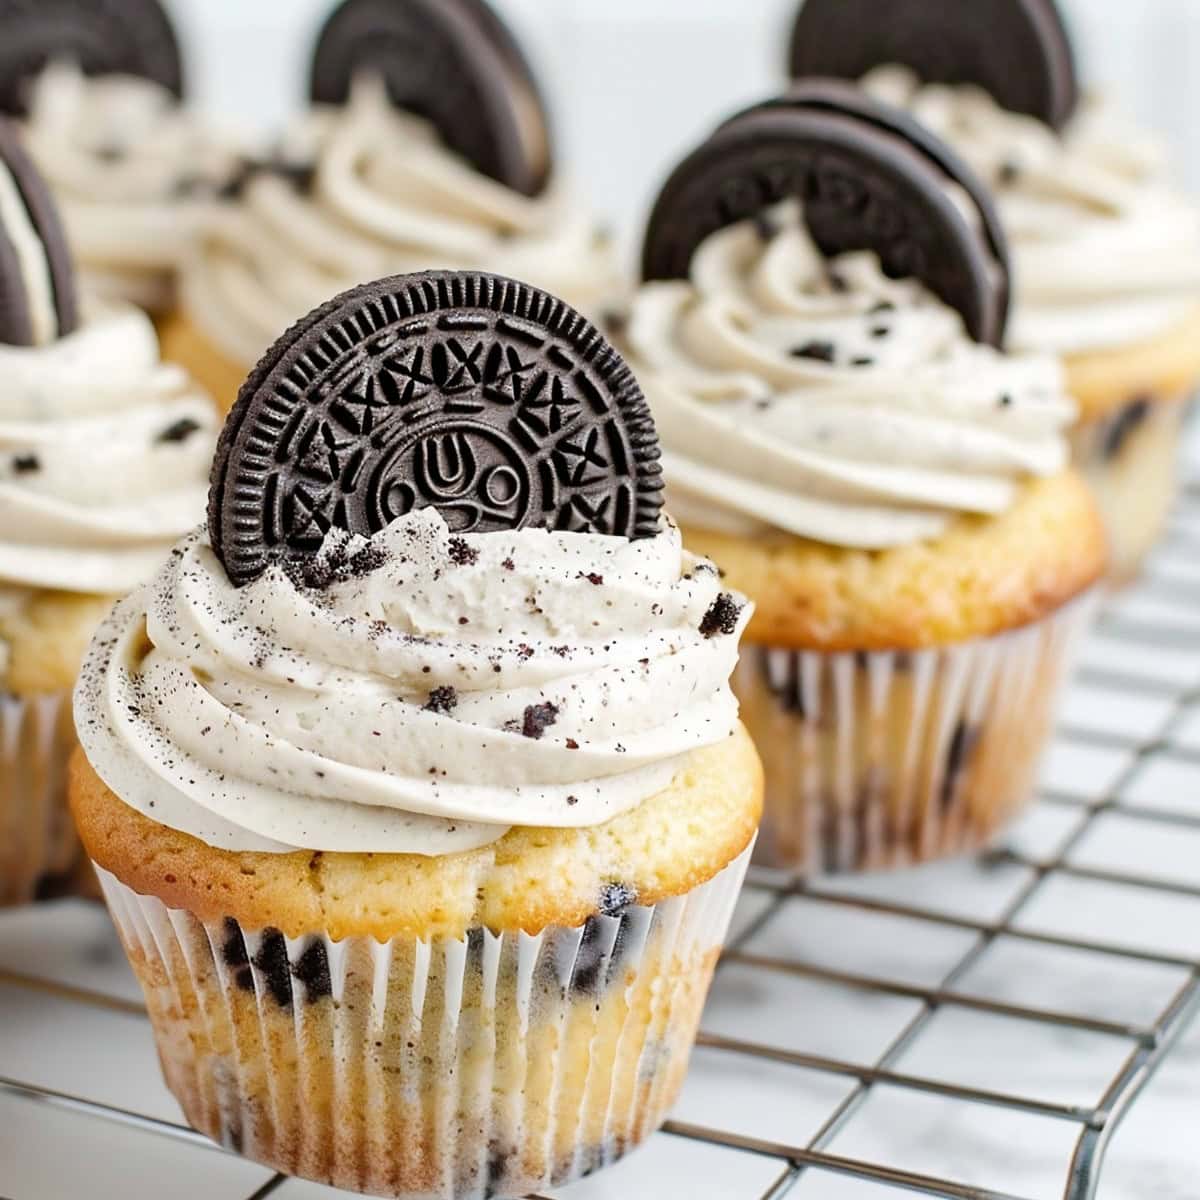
826 400
1106 253
104 456
419 691
387 197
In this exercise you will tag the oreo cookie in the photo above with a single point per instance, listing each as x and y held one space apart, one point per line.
38 300
453 62
482 397
869 177
105 37
1018 50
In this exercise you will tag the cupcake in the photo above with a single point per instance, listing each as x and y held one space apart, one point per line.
427 145
1106 251
415 783
98 90
103 457
817 338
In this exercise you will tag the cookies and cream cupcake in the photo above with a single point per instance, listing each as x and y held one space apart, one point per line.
427 145
817 338
98 90
1106 250
415 781
103 458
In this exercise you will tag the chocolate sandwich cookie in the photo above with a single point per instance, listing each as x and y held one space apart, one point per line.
487 399
869 179
38 301
105 37
1018 50
453 62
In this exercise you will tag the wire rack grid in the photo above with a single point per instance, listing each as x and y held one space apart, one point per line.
831 992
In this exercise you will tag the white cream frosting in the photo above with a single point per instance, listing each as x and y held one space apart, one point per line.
133 171
1106 252
388 197
573 674
92 495
908 425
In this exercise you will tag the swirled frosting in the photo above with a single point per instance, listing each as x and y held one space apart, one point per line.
820 398
104 456
1106 252
133 172
386 197
417 692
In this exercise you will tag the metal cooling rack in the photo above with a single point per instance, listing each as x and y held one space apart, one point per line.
841 1008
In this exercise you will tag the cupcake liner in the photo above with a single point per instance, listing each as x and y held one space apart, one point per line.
493 1065
886 759
37 840
1131 459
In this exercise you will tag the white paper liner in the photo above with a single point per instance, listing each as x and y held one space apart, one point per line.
491 1066
1132 463
37 839
887 759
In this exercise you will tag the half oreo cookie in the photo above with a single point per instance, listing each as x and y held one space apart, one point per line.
491 401
105 37
453 62
1018 50
869 178
38 301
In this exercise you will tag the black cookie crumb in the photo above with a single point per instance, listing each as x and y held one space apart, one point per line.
442 700
180 431
722 617
509 565
1124 425
461 554
26 464
336 563
312 969
818 351
538 718
233 951
592 578
272 961
961 745
615 898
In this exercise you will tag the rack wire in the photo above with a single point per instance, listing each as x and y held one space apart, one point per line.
1146 652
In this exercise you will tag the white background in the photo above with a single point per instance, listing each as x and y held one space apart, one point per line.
634 83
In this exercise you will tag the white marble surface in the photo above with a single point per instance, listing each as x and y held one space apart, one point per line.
70 1018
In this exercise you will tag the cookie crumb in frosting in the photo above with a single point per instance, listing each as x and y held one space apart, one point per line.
722 617
818 351
25 464
442 700
462 554
537 719
179 431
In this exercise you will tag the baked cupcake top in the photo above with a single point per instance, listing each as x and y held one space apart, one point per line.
98 91
804 376
426 145
435 599
1106 250
103 449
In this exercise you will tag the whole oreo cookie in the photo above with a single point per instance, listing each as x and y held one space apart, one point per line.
491 401
1018 50
453 62
38 300
869 179
105 37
